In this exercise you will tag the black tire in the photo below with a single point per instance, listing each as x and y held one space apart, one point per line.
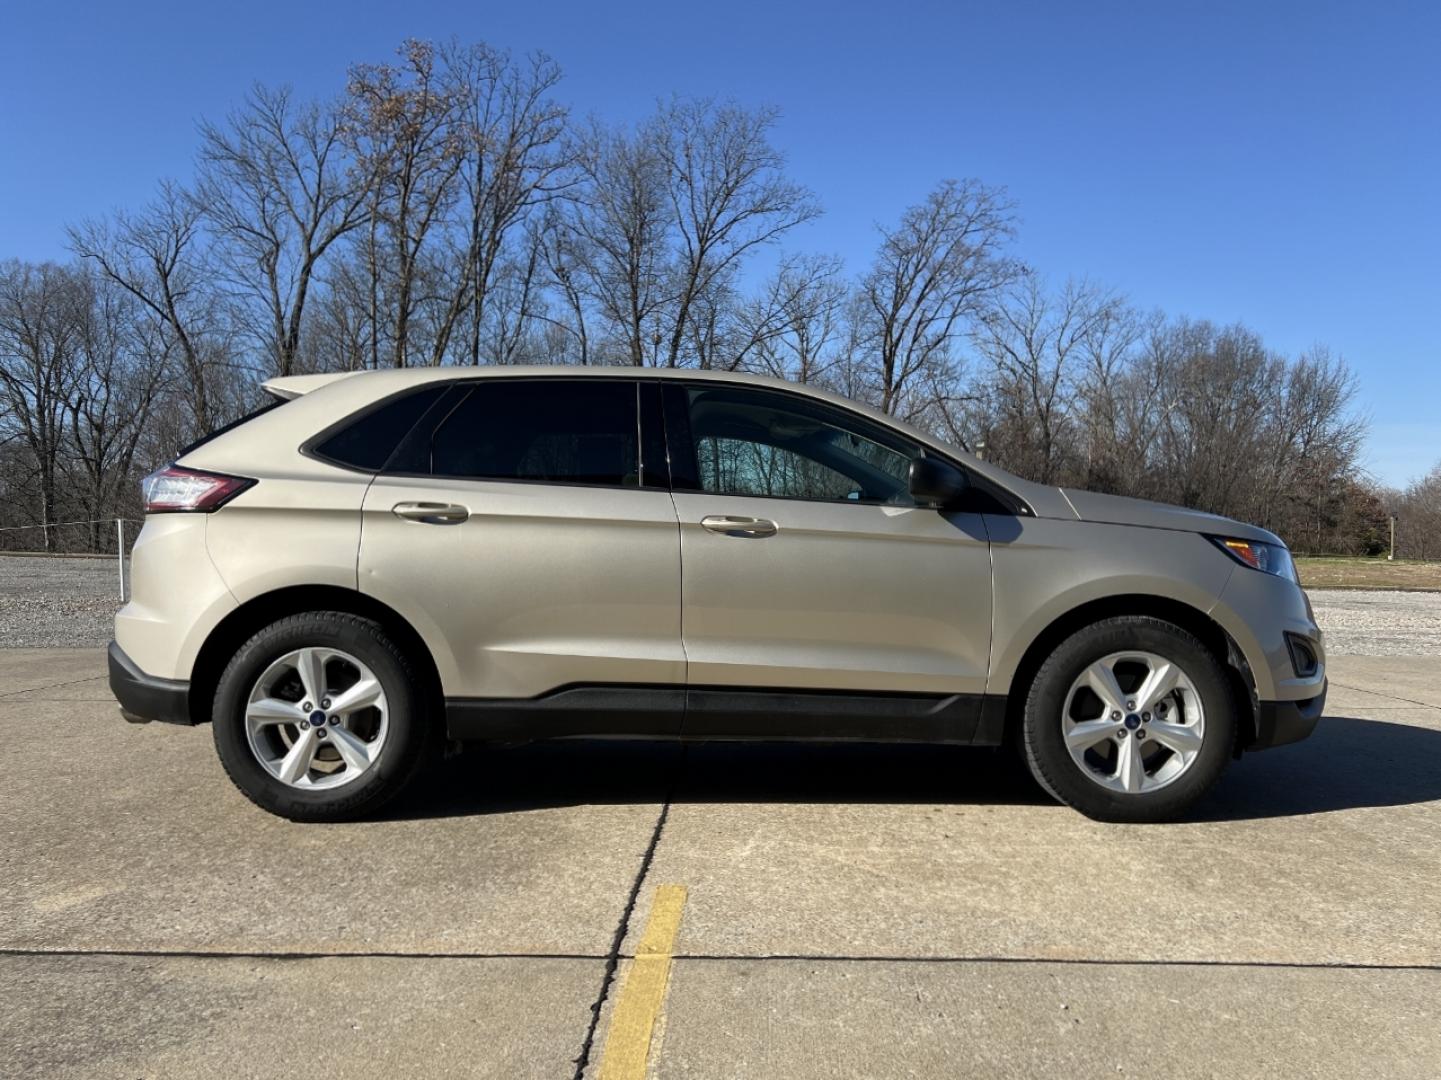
409 743
1042 737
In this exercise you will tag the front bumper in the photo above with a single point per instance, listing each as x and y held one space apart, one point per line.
1282 722
143 697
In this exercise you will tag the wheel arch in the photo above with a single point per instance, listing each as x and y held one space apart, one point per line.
260 611
1191 619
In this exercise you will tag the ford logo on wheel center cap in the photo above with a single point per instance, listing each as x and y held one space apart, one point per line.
1133 721
317 719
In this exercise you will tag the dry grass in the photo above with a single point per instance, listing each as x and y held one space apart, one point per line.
1344 573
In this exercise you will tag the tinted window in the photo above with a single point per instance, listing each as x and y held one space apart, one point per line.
752 442
564 431
367 441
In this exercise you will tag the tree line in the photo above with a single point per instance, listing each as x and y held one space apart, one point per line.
449 208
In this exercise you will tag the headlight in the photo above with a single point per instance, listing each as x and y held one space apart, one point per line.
1267 558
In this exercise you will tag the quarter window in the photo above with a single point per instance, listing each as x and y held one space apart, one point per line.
752 442
367 442
561 431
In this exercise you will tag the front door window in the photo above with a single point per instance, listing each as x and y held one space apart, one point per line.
753 442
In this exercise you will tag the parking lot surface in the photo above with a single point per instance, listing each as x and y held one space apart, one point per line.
847 910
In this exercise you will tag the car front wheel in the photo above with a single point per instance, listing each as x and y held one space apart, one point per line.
319 717
1131 719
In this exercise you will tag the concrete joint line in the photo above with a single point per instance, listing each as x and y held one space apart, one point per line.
612 963
1392 697
50 686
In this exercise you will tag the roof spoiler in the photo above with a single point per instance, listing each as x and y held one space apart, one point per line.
289 387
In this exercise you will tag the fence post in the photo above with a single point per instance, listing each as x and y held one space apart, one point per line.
120 554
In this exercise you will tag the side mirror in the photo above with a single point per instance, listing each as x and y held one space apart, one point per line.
937 483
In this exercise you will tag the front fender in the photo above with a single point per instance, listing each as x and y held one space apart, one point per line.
1044 568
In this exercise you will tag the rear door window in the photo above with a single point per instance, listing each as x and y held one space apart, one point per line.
561 431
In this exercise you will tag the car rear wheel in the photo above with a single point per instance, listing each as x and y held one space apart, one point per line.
319 717
1131 719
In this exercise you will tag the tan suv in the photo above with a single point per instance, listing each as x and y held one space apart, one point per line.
389 561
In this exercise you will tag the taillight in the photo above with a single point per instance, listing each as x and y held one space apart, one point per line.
173 490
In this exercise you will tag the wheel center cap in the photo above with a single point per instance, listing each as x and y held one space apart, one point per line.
1132 721
317 719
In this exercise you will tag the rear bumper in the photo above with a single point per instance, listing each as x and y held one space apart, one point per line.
1282 722
143 697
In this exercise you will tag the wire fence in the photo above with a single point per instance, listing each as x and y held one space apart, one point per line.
96 538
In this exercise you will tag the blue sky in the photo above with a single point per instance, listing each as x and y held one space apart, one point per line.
1278 164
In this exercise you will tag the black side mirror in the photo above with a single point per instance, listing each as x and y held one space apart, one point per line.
937 483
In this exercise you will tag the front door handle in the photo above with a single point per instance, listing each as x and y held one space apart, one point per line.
728 525
429 513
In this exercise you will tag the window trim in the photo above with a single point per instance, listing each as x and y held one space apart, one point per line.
682 473
650 418
680 444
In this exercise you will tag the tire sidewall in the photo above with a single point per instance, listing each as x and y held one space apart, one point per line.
405 718
1051 761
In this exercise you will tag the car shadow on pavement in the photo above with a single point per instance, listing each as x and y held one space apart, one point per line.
571 772
1347 763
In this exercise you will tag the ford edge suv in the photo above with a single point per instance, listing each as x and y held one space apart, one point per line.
386 563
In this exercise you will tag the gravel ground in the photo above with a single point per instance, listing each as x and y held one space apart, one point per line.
1372 622
58 603
55 603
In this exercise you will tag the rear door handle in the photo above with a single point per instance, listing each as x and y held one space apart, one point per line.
430 513
729 525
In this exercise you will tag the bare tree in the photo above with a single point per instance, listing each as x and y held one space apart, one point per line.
564 262
666 218
622 232
121 366
515 288
1033 341
513 158
40 319
1418 510
1311 445
791 329
934 272
401 127
278 190
339 329
1114 421
727 193
1220 383
157 257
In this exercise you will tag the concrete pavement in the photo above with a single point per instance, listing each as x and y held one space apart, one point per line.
850 911
374 1017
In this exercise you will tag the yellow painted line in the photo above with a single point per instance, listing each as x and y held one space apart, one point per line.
627 1044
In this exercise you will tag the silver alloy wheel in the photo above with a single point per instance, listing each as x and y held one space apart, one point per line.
1133 722
317 719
